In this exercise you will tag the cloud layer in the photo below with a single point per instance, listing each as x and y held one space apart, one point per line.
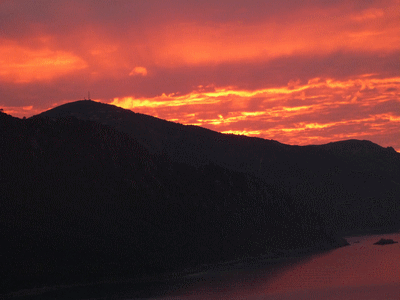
299 72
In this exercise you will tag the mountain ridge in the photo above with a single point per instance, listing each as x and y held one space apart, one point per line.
83 200
339 172
161 136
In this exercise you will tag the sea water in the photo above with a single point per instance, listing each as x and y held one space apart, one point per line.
359 271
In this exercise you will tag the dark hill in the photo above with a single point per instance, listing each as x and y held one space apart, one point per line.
354 184
83 201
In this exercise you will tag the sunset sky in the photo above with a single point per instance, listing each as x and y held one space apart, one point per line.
300 72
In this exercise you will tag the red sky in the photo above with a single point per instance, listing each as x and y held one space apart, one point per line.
300 72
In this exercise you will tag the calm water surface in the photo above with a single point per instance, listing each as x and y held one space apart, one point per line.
359 271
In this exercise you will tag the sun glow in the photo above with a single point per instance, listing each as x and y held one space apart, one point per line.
298 115
314 72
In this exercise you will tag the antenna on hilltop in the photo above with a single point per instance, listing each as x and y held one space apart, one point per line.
89 96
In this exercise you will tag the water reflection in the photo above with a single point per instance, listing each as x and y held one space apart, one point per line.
359 271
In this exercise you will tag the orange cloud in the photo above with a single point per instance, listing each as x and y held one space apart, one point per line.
21 64
138 71
321 110
190 38
368 14
305 72
309 31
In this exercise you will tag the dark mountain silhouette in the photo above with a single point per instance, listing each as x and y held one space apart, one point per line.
91 191
82 201
354 184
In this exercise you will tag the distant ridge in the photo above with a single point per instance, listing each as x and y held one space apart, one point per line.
237 152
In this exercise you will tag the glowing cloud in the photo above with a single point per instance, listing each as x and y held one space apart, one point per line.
21 64
303 72
329 31
138 71
301 115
